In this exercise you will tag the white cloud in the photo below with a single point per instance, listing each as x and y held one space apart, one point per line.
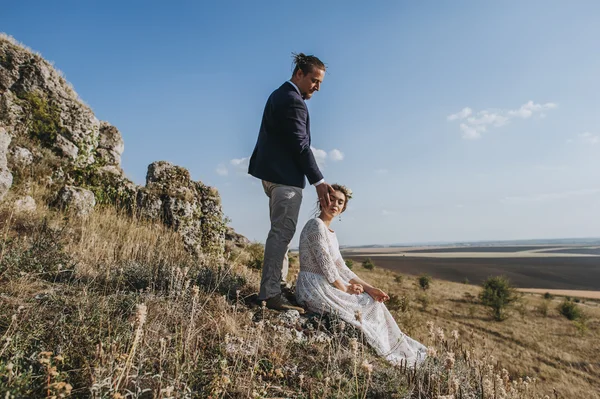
240 162
336 155
589 138
529 108
320 156
462 114
222 170
474 124
238 165
471 132
487 118
550 196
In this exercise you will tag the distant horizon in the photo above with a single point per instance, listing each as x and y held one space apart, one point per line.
538 241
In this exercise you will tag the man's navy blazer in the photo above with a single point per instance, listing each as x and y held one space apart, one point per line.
282 154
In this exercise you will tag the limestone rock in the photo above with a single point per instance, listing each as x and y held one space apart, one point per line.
21 157
110 145
41 111
235 239
6 177
25 204
76 199
190 208
38 102
66 147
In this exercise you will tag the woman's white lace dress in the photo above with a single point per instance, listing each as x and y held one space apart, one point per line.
320 265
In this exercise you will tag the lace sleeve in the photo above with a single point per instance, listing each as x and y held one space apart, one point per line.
344 270
319 249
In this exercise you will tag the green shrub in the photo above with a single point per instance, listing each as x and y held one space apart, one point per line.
399 278
424 281
43 117
569 309
349 263
548 295
497 294
368 264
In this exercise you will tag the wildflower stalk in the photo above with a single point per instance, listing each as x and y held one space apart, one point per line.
141 318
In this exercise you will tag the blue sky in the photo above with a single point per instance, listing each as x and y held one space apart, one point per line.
456 121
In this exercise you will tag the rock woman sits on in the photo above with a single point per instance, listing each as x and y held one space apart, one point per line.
326 284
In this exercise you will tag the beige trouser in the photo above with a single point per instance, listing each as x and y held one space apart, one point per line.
284 207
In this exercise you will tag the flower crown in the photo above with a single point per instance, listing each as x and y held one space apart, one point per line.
347 192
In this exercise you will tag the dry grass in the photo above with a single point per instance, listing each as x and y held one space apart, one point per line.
562 354
116 308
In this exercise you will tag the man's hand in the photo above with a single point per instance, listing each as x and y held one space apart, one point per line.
354 289
323 191
378 294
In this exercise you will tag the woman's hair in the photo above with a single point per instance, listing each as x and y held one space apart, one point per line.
344 190
307 63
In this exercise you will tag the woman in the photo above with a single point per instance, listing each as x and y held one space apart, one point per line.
326 284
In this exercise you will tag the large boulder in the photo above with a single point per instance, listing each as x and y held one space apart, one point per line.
76 199
110 145
190 208
6 177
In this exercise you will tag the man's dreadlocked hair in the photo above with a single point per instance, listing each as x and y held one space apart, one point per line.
307 63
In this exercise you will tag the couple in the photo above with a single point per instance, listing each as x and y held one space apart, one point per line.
282 159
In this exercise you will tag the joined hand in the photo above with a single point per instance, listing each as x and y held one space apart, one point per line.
378 295
355 289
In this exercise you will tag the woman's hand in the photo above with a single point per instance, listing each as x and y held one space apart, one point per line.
378 294
354 289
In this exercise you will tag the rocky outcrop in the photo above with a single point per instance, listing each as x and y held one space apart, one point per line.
79 157
234 239
110 145
77 200
6 177
191 208
38 103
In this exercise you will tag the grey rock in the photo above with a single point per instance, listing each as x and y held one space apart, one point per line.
190 208
289 318
21 157
235 239
110 144
25 204
66 147
76 199
6 177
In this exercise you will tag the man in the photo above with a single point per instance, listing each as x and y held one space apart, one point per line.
282 159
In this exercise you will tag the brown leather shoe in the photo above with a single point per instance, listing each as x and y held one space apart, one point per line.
279 302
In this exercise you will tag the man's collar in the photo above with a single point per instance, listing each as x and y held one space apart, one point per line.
295 87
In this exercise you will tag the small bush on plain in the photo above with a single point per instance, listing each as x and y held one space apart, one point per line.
424 281
569 309
368 264
497 294
349 263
